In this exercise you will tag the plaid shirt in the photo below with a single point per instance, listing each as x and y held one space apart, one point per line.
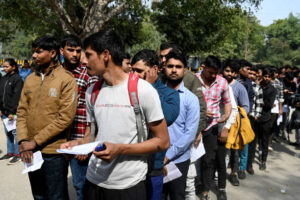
218 91
277 84
258 100
83 81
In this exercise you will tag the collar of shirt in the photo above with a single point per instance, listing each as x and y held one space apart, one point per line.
181 88
211 85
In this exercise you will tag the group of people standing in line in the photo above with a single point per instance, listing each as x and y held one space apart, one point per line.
88 97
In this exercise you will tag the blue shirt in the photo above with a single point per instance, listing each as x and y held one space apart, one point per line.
183 131
24 73
248 85
240 95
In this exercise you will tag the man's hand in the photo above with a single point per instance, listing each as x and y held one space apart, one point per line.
198 139
81 158
151 76
10 117
165 171
209 114
26 156
70 144
27 146
224 135
111 151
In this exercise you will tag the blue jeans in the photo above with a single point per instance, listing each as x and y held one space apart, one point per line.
50 181
78 173
11 140
155 187
244 158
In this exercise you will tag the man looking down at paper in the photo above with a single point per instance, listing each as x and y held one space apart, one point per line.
183 131
119 171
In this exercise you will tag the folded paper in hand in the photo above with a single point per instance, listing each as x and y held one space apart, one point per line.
173 172
82 149
10 125
198 152
35 164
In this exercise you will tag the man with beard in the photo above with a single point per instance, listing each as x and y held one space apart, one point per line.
71 49
46 109
183 131
242 100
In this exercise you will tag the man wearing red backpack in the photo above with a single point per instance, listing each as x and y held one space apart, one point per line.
119 171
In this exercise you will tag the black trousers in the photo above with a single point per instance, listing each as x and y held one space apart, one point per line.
264 134
94 192
252 145
176 188
208 161
221 165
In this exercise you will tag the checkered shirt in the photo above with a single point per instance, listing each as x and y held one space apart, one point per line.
83 81
258 100
277 84
217 92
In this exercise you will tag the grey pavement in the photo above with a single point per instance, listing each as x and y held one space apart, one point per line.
283 172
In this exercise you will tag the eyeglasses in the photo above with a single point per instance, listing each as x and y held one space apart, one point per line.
176 66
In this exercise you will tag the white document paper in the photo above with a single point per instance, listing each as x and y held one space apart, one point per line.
279 120
275 109
35 164
82 149
198 152
173 172
10 125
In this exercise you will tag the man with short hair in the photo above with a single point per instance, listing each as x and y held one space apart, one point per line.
215 90
126 66
183 131
145 64
119 171
46 109
71 49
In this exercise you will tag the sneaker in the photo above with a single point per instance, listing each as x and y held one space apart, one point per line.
250 170
14 160
6 156
204 197
234 180
262 166
270 149
242 174
222 195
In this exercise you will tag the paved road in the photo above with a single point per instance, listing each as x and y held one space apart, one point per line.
283 171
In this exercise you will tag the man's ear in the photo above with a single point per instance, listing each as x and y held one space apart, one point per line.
53 54
61 50
106 55
155 67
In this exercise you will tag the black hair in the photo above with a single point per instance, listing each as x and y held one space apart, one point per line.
71 40
267 71
254 68
288 67
127 56
244 63
233 64
169 45
107 40
289 75
46 42
148 56
178 55
213 62
26 61
12 63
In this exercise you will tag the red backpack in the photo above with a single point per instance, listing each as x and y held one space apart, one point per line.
134 101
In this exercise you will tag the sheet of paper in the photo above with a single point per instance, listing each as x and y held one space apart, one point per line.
198 152
80 149
173 172
10 125
275 109
279 120
35 164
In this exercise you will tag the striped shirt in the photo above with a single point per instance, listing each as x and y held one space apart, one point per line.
258 100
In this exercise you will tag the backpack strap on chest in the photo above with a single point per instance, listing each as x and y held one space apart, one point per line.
134 101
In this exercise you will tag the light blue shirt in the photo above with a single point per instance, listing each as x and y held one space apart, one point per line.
183 131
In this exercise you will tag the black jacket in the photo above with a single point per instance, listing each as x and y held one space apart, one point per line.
10 90
269 95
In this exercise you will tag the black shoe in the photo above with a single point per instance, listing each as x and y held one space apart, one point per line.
5 157
14 160
250 170
242 174
234 180
262 166
222 195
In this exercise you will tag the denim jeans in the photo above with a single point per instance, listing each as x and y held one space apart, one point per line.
244 158
11 140
78 173
50 181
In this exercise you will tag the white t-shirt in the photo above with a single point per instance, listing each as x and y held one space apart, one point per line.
117 124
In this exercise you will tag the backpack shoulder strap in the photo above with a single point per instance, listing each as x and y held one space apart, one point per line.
95 91
134 101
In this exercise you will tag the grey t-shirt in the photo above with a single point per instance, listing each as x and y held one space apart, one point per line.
117 124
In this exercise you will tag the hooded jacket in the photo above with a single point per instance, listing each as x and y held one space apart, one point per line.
10 90
47 108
